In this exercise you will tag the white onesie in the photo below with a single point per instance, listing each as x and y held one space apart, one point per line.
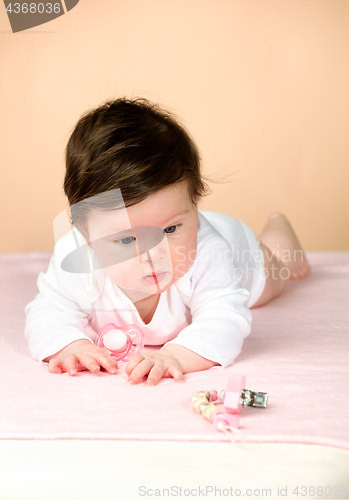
206 311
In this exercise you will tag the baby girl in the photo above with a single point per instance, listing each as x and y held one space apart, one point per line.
145 255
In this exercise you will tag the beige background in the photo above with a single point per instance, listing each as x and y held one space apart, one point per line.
261 84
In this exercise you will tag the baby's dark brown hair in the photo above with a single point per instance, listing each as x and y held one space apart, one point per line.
131 145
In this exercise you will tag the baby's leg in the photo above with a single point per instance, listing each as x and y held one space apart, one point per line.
284 258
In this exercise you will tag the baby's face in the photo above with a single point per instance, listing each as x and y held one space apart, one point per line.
167 248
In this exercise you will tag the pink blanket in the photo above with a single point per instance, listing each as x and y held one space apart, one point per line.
297 353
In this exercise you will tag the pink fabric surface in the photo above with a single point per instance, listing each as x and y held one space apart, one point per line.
297 353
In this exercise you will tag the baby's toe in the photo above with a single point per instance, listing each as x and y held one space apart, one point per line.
305 270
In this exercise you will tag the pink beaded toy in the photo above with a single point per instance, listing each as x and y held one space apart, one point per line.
121 342
233 399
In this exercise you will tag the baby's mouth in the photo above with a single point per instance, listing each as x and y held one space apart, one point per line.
155 277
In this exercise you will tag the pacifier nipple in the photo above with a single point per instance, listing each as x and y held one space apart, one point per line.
122 342
115 340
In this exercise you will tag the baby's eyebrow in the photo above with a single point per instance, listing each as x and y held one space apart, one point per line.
180 214
119 234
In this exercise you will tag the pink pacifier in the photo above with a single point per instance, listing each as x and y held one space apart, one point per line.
121 341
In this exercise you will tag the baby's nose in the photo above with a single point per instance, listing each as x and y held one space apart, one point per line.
153 255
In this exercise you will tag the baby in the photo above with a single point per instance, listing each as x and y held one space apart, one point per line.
141 253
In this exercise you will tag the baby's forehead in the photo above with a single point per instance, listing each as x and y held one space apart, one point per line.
104 222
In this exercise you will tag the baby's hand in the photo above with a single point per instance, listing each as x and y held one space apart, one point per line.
155 364
81 355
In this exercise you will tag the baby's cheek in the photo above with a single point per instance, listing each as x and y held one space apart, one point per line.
123 275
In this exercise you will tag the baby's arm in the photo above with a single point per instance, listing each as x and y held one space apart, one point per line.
56 320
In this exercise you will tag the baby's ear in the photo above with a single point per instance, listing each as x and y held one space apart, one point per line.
197 199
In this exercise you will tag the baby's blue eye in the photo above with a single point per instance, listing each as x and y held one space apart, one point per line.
126 241
171 229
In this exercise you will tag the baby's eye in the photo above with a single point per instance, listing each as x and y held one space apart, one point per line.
125 241
172 229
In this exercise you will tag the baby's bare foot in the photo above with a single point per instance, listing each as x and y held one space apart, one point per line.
289 249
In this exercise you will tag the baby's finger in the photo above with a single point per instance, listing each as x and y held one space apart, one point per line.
175 372
132 362
107 362
155 374
54 366
70 363
89 361
139 371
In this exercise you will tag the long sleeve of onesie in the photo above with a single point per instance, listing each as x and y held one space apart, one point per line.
58 314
